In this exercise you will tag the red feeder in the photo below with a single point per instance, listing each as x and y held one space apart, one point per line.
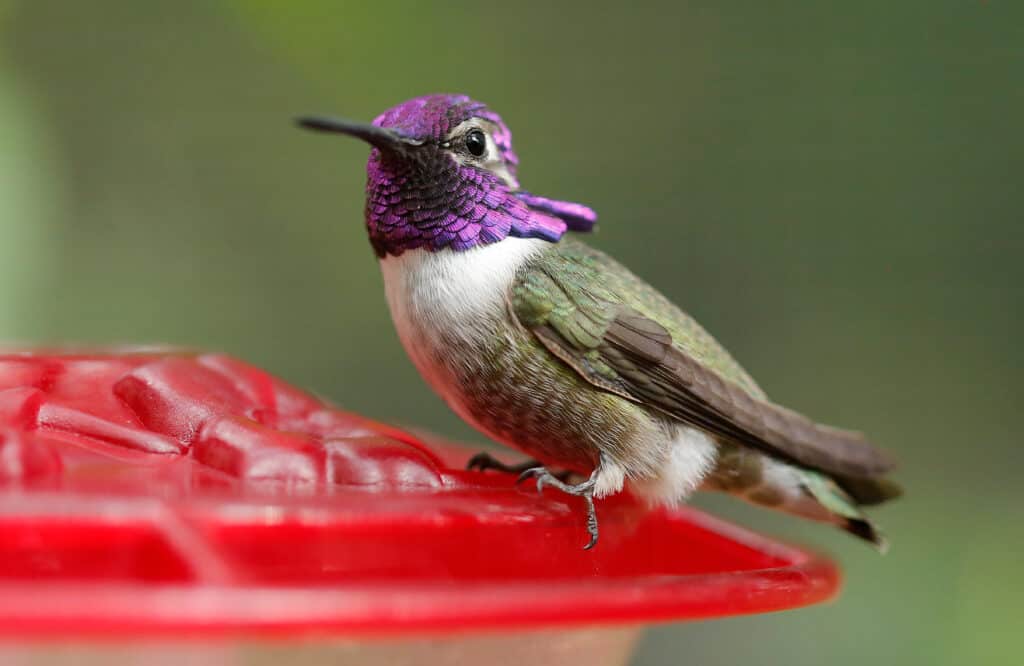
172 496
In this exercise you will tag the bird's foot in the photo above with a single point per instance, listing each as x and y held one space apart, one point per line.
584 490
484 461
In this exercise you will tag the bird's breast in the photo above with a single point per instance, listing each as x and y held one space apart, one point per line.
449 308
451 312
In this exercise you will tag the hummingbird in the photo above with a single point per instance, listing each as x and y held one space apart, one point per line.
552 347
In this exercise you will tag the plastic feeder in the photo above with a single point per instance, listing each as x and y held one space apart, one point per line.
196 507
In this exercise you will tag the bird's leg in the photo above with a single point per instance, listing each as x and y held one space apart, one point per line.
584 490
485 461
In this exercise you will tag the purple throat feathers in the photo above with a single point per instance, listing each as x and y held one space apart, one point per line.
427 198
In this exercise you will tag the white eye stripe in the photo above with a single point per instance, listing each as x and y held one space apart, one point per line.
465 127
491 160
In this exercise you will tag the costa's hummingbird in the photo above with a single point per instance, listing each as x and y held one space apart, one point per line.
552 347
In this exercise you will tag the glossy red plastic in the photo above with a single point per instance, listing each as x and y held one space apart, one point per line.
155 493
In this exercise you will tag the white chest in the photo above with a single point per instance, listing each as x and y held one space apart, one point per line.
443 303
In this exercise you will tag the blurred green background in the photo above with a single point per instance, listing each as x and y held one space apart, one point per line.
834 189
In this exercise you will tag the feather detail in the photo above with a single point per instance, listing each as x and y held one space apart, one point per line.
584 317
670 380
576 216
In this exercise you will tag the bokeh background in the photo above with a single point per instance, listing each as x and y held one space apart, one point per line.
834 189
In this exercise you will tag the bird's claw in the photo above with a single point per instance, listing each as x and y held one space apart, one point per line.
484 461
584 490
540 472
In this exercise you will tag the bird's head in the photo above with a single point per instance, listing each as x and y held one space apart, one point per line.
442 175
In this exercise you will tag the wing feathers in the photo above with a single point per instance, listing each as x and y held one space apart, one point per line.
666 378
576 312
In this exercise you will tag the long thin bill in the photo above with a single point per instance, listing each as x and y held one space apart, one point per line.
381 137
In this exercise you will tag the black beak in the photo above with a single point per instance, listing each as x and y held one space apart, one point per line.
381 137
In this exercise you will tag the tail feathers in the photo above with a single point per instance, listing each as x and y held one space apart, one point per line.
766 481
863 528
869 492
842 498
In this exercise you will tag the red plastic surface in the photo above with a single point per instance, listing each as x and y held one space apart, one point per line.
162 493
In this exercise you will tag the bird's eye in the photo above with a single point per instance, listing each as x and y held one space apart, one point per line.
476 143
